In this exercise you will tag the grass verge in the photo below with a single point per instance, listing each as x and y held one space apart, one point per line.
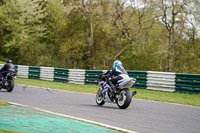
8 131
180 98
1 62
3 103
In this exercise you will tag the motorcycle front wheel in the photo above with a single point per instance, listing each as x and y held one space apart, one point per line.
99 98
10 86
124 98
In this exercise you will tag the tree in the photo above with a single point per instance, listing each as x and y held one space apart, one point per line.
23 26
169 11
161 35
56 23
188 46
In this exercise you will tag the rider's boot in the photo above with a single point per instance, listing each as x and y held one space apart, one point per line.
114 90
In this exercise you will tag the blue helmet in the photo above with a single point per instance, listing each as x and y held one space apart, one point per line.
117 63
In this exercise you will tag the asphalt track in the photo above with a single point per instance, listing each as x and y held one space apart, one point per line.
141 116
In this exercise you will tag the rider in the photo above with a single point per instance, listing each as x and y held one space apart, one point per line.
8 67
117 72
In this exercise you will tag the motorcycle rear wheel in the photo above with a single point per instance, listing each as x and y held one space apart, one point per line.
99 98
124 98
11 85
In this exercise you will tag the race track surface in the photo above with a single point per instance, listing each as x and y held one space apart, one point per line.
141 116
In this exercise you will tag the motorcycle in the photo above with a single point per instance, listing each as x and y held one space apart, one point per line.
8 82
122 97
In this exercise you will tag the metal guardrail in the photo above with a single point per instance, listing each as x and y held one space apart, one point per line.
34 72
187 83
164 81
141 78
92 76
47 73
23 71
61 74
76 76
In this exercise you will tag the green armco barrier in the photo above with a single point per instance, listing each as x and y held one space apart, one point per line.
61 74
16 68
189 83
92 76
34 72
153 80
141 78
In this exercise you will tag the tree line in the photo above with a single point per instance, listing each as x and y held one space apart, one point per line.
156 35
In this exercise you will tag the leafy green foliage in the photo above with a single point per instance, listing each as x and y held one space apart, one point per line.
92 34
22 23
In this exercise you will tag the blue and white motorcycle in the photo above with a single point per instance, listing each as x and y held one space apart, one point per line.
123 95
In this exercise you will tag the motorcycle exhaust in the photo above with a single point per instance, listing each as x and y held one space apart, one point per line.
134 93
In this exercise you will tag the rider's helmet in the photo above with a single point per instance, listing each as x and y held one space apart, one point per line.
117 63
9 61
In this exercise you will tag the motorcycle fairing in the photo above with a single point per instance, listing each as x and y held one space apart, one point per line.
126 83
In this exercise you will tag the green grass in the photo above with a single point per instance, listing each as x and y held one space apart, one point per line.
8 131
1 62
172 97
3 103
58 85
181 98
